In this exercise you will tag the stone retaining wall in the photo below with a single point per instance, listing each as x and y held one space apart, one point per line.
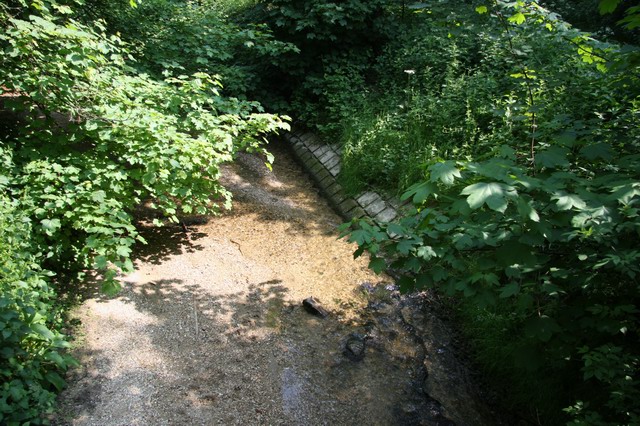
322 161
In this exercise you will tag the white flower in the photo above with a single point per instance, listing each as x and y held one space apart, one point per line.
410 72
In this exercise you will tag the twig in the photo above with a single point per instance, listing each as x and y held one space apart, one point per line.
237 244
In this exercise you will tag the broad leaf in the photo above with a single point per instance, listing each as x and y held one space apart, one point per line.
608 6
493 194
553 157
568 201
50 226
445 172
43 331
377 265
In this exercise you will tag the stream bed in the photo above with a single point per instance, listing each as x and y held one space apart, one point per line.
210 329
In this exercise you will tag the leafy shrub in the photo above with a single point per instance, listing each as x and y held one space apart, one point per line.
32 352
175 38
100 138
536 229
336 43
85 139
555 252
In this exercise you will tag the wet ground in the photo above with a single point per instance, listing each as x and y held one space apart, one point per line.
210 328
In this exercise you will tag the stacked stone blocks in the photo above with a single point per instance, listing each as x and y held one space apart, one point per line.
323 163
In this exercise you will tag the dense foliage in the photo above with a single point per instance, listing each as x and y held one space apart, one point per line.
512 135
86 138
174 38
32 352
516 139
336 43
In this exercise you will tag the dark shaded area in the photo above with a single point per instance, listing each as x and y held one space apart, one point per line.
585 15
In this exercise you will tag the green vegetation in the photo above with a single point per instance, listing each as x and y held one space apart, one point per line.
87 137
513 135
32 353
515 138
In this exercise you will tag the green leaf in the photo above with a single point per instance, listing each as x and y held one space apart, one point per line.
394 229
56 358
567 138
124 251
360 237
438 274
494 194
377 265
110 287
43 331
426 253
482 9
608 6
597 150
127 266
50 226
517 18
462 241
497 203
553 157
568 201
445 172
405 246
420 192
509 290
98 196
526 211
55 379
101 262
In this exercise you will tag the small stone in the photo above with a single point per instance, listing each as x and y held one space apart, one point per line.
354 348
313 307
368 287
409 408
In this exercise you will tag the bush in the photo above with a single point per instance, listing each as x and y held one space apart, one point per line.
100 138
534 226
32 353
336 43
176 38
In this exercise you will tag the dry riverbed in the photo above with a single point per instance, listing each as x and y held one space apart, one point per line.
210 328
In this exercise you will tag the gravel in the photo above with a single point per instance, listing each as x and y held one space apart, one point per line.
210 328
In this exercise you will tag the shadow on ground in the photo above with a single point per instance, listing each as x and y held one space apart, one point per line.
210 328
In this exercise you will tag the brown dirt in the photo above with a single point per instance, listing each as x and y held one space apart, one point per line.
210 328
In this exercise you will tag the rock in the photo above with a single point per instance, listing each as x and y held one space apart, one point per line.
367 287
376 305
354 348
426 385
313 307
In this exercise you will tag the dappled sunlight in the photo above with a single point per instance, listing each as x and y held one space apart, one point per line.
210 326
